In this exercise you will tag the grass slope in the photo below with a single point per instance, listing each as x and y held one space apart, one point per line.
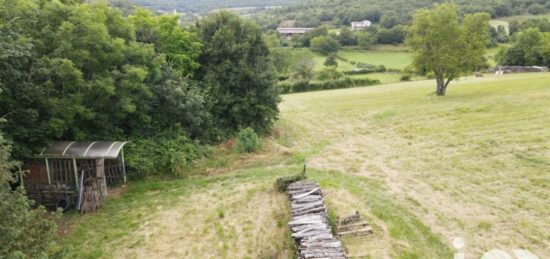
421 169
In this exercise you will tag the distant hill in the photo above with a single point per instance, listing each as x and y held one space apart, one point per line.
204 6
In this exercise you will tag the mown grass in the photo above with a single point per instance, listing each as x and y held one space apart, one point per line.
421 169
472 164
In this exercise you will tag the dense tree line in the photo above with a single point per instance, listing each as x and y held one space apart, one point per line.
87 72
388 13
204 6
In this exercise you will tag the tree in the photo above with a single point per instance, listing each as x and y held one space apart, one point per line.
324 45
444 46
24 232
346 37
302 67
528 49
84 71
394 35
366 40
331 60
389 19
237 71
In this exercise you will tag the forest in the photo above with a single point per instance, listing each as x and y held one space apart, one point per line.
390 12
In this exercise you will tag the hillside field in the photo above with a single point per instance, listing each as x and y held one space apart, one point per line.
421 169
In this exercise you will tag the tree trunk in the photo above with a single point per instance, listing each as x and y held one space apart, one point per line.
441 86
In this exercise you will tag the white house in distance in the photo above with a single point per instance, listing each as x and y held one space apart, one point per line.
290 31
357 26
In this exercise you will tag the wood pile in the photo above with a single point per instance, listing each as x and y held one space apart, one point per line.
91 195
353 226
309 223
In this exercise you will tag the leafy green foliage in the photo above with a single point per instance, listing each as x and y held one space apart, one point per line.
388 13
302 67
24 232
331 60
247 140
325 45
366 40
83 71
444 46
346 82
169 151
329 73
238 73
530 48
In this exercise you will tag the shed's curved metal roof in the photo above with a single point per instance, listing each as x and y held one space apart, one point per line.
84 149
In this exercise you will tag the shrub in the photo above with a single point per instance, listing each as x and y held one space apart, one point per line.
359 71
248 141
24 232
331 84
329 74
169 153
405 78
380 68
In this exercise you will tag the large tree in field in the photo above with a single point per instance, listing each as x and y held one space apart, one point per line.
444 45
238 73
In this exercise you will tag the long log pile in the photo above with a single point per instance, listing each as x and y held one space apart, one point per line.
309 223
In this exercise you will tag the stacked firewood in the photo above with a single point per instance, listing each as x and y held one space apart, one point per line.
309 223
353 225
91 196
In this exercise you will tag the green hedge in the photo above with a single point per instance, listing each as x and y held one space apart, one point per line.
304 86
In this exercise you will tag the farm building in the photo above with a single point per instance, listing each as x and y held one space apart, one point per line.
291 31
357 26
75 174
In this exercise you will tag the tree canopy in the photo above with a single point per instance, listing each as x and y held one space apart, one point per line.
446 47
238 73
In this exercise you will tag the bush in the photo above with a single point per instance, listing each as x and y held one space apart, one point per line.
329 74
359 71
303 86
405 78
248 141
169 153
24 232
380 68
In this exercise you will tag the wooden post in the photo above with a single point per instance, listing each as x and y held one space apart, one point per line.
123 165
75 173
48 172
100 173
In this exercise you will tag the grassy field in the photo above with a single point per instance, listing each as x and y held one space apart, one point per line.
421 169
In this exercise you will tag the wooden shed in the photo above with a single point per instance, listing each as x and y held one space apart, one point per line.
75 174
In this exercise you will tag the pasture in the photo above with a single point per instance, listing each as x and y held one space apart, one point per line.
421 169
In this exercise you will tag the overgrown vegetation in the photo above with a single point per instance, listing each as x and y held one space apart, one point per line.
25 232
72 71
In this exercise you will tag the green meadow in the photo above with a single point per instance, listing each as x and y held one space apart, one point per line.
421 170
